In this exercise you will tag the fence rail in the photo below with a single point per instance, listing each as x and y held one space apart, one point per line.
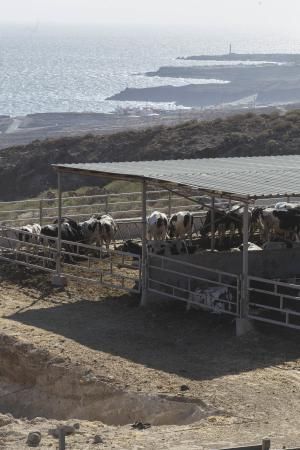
210 289
123 205
274 302
85 263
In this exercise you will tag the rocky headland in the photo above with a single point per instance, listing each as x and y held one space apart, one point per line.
270 79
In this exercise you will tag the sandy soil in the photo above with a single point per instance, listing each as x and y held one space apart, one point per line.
251 384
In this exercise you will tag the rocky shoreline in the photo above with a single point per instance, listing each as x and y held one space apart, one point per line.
273 80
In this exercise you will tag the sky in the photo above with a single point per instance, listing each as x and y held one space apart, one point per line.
283 15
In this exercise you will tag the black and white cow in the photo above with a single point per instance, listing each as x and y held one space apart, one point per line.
227 220
287 205
181 224
168 248
251 248
279 222
157 226
107 229
98 230
90 231
222 223
29 234
70 231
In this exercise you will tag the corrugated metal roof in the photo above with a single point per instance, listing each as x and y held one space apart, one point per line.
242 178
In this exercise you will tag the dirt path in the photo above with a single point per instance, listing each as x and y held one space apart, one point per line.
251 384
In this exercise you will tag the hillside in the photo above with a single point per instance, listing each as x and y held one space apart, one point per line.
25 171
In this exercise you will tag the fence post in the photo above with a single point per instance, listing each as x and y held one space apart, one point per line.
144 243
106 204
213 226
41 212
243 324
58 261
62 440
58 279
266 444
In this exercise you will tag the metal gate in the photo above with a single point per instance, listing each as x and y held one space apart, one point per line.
209 289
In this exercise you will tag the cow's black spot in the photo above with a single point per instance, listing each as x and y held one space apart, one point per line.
92 226
159 222
107 228
186 220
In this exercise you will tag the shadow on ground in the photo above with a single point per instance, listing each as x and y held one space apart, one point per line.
165 337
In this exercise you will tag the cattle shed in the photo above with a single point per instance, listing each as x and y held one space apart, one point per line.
242 179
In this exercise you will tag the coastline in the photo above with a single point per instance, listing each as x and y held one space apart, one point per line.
270 79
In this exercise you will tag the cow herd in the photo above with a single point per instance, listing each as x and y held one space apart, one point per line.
271 222
179 225
97 230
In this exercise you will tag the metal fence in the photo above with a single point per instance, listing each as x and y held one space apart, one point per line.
273 301
270 301
86 263
210 289
120 206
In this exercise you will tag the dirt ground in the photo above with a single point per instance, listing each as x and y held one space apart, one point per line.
249 387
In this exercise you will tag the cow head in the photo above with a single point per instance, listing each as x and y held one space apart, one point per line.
92 225
256 213
172 226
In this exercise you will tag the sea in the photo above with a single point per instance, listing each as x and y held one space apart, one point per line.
51 68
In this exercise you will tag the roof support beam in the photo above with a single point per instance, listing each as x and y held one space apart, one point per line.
144 244
58 279
244 299
243 324
213 224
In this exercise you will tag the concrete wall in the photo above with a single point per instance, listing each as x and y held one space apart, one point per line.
265 264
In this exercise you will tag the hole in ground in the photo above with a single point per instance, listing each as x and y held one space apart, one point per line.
112 408
34 384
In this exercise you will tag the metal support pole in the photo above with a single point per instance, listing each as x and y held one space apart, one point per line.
106 204
144 243
58 256
243 324
41 212
61 439
213 227
170 204
58 279
244 304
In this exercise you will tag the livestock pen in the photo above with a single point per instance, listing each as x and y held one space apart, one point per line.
260 286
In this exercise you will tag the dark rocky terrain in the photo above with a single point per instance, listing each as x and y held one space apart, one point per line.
25 171
270 57
274 82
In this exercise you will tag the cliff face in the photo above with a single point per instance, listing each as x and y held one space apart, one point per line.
25 171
